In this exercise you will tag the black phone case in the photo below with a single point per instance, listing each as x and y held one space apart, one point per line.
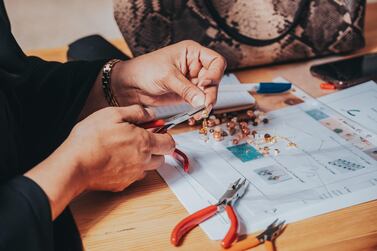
316 71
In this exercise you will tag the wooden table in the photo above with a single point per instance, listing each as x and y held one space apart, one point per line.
142 216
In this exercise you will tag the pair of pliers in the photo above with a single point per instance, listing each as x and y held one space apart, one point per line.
163 125
226 202
267 237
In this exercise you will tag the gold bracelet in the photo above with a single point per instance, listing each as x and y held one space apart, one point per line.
106 82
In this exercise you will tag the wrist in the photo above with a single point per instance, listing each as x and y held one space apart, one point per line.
124 84
97 98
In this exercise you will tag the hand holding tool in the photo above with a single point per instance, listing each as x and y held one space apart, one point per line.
267 237
162 125
226 202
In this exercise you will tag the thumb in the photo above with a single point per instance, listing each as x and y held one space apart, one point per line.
187 90
134 114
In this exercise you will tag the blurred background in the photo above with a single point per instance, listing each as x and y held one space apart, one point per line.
40 24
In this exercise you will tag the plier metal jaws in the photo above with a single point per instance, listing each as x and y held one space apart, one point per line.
272 231
234 192
226 202
267 237
163 125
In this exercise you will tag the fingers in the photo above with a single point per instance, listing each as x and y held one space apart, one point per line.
161 144
187 90
133 114
156 162
213 62
209 78
205 68
211 95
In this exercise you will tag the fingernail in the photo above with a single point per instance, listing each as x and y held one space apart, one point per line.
198 100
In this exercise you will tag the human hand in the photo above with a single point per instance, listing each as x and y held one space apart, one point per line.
105 151
182 71
112 152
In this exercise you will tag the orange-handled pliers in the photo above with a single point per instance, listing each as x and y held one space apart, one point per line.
163 125
267 237
226 202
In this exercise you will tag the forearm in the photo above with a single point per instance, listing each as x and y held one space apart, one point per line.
60 178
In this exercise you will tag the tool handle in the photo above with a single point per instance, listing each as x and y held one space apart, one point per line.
153 124
177 154
245 244
191 222
182 157
269 246
231 235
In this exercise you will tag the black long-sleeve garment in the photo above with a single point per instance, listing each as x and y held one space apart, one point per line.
39 104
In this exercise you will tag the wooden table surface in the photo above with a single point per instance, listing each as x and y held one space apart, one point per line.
142 216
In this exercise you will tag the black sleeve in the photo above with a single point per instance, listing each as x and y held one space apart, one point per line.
50 101
46 96
25 221
42 101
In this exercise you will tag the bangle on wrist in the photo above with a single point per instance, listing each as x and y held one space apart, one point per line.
106 82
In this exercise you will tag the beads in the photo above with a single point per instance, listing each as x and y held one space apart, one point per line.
254 133
250 113
267 137
245 131
203 131
211 123
218 133
292 144
235 141
237 138
231 126
238 126
191 122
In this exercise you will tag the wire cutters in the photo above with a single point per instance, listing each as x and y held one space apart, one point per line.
163 125
226 202
267 237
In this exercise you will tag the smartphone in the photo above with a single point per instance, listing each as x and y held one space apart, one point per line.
347 72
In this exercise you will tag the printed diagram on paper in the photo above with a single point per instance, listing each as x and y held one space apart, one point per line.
359 105
318 169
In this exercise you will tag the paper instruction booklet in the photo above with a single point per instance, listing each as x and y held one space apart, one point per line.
331 168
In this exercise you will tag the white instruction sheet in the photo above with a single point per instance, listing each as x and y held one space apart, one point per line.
323 165
358 103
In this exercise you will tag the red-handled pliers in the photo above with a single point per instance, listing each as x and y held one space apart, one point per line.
226 202
162 125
